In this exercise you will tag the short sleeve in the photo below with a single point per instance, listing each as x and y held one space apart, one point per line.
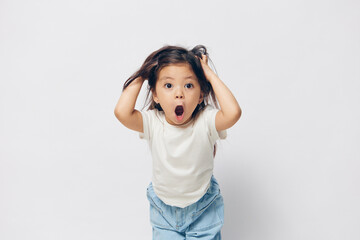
210 115
148 118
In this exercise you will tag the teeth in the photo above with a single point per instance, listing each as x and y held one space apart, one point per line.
179 110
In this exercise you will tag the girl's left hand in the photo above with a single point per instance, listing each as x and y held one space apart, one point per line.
205 66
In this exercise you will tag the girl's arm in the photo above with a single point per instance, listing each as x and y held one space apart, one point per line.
125 110
230 111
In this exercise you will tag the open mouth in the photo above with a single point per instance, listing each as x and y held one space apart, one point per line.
179 111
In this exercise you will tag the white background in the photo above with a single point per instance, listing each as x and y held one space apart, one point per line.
289 169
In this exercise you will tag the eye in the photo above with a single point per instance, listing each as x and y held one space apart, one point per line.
189 85
168 85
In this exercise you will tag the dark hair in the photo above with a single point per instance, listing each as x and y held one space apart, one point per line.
168 55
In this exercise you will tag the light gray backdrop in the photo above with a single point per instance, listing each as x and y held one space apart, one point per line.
289 169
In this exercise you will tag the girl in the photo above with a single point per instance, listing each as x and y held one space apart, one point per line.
181 127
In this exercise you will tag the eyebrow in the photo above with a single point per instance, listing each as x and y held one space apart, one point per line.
171 78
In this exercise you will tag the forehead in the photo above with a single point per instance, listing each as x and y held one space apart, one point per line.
175 71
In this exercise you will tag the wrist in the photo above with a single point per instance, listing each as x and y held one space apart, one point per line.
139 80
209 74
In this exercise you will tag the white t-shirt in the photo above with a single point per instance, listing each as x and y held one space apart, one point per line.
182 155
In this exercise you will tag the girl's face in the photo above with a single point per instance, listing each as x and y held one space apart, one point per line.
178 92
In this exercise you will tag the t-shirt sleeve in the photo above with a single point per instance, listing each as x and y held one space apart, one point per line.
148 118
210 115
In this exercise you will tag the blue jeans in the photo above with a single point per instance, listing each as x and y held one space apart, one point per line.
201 220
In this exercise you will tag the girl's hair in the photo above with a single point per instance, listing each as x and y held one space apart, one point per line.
168 55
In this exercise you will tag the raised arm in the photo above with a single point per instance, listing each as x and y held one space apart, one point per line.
125 110
230 111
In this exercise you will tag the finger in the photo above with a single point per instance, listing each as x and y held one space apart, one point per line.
200 58
204 57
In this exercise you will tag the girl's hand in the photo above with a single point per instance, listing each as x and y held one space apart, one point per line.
204 63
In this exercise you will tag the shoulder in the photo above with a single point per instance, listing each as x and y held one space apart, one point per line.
151 114
208 112
151 119
207 118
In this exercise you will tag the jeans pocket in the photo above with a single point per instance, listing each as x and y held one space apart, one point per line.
157 215
153 204
200 211
209 217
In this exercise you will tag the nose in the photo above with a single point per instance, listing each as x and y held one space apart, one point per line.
179 93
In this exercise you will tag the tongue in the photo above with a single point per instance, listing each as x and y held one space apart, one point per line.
179 110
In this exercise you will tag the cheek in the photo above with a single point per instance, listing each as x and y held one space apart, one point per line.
197 95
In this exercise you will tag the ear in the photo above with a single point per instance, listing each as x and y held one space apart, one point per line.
155 98
201 97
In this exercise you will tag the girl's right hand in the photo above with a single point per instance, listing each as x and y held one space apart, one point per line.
125 110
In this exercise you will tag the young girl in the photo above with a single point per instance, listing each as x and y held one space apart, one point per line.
181 127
